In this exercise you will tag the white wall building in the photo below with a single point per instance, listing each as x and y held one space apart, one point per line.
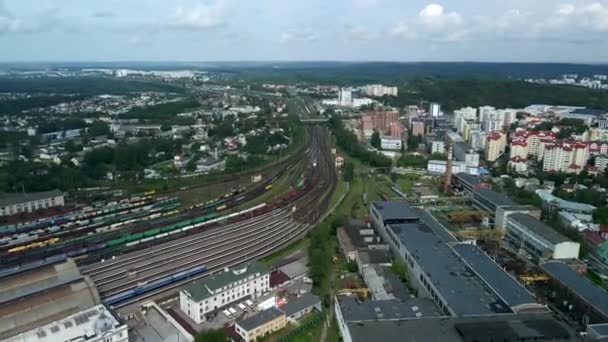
463 114
345 97
437 146
219 290
565 157
96 324
495 145
390 143
440 167
378 90
478 140
435 109
29 202
539 240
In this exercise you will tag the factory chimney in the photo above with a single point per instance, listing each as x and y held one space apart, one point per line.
448 171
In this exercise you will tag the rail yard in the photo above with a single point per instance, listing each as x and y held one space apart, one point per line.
147 245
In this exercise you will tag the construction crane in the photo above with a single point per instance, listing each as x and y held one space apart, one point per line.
461 215
492 234
364 291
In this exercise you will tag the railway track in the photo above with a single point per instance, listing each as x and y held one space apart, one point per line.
225 246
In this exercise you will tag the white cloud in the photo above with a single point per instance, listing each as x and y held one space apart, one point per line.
402 30
565 9
366 3
306 34
8 22
438 24
359 33
201 17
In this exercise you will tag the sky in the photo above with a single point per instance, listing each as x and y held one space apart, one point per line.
304 30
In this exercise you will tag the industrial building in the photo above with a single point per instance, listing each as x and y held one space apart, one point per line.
40 296
96 324
461 279
469 183
503 212
301 306
585 301
525 232
219 290
29 202
490 201
263 323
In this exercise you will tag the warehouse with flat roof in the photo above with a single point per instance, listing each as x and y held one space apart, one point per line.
525 232
462 280
11 204
587 299
39 296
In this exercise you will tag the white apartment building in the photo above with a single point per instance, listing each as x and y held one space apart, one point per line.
219 290
378 90
531 143
435 109
96 324
601 162
496 144
485 111
345 98
478 140
463 114
437 146
570 157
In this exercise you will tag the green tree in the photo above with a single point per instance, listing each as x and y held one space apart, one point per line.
376 141
439 156
97 128
413 141
212 336
165 127
349 172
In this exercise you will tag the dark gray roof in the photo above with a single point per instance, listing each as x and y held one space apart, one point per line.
589 111
468 178
260 318
578 284
435 226
374 256
303 302
599 329
10 199
394 210
512 292
354 310
462 329
463 290
497 199
538 228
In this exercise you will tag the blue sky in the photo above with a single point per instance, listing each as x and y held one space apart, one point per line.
351 30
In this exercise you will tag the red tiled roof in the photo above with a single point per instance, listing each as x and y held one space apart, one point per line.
594 238
278 278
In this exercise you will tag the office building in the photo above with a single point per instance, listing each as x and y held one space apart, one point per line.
391 144
30 202
496 144
464 114
261 324
222 289
463 153
485 112
539 240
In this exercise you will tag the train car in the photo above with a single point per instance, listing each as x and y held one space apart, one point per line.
145 288
268 187
221 207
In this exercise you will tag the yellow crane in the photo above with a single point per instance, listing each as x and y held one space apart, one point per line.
364 291
531 278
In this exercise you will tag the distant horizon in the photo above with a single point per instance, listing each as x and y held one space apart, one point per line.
319 61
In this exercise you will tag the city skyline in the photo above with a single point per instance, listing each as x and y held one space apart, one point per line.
346 30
